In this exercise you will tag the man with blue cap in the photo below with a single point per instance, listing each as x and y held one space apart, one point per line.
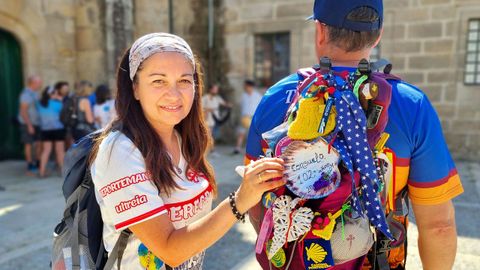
346 31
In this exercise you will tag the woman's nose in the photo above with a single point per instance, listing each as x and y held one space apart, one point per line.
173 91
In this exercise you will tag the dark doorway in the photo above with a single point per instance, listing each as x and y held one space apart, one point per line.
11 83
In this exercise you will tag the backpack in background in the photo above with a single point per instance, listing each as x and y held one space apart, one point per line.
68 114
78 237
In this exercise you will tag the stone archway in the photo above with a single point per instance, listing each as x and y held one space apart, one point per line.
11 83
20 58
28 43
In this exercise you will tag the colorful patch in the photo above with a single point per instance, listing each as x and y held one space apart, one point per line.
317 254
374 113
323 227
147 259
278 260
268 199
282 145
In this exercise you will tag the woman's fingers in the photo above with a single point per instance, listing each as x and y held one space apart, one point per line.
263 160
265 186
265 165
268 175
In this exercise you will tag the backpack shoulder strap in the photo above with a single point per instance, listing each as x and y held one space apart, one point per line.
117 251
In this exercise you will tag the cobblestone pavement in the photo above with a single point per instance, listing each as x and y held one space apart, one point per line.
30 208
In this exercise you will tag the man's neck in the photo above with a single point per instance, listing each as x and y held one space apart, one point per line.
341 58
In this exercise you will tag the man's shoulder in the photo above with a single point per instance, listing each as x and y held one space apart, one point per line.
287 83
27 95
406 93
275 102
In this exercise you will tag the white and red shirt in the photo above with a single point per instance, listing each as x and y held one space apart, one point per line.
127 196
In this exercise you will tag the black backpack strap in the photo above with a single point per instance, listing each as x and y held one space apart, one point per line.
382 63
379 258
117 251
100 255
76 197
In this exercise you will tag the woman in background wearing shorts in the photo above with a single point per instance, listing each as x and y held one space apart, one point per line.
52 131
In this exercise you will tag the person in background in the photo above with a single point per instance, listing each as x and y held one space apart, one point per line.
66 96
64 90
104 109
250 100
29 121
211 102
52 131
85 120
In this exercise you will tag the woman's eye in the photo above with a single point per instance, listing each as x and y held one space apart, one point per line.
158 82
185 81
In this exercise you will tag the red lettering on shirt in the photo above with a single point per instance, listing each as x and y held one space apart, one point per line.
187 209
124 182
127 205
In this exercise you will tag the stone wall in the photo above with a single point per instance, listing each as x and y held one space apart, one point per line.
46 31
424 39
82 39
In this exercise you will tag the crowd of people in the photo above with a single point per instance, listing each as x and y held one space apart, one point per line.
43 129
53 117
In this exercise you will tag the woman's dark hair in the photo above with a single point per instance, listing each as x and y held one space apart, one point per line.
47 92
45 97
249 82
132 122
352 41
59 85
102 94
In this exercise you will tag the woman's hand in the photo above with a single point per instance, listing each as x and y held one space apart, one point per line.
257 179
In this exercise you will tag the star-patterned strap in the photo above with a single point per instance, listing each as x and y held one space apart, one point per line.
352 144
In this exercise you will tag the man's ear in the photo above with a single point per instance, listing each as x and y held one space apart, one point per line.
378 39
321 33
321 38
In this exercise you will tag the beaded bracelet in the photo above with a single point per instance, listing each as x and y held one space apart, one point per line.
233 205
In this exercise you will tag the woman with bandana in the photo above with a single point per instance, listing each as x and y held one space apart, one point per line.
149 166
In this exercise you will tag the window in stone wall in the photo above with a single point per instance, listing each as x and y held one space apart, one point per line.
272 58
375 53
472 63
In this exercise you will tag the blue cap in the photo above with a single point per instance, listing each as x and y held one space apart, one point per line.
335 12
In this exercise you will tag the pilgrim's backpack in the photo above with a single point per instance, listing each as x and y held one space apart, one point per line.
323 217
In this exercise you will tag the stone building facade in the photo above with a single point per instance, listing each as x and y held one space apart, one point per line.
260 39
426 40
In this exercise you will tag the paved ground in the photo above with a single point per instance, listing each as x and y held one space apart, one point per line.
30 208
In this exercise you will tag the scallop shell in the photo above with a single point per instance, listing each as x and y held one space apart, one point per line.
316 253
311 169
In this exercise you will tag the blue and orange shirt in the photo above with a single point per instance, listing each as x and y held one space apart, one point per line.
422 159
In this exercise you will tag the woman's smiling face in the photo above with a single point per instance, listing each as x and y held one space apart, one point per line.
164 85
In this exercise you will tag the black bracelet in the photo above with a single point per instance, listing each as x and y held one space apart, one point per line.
233 205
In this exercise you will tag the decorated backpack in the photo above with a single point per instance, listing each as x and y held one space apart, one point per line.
339 202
